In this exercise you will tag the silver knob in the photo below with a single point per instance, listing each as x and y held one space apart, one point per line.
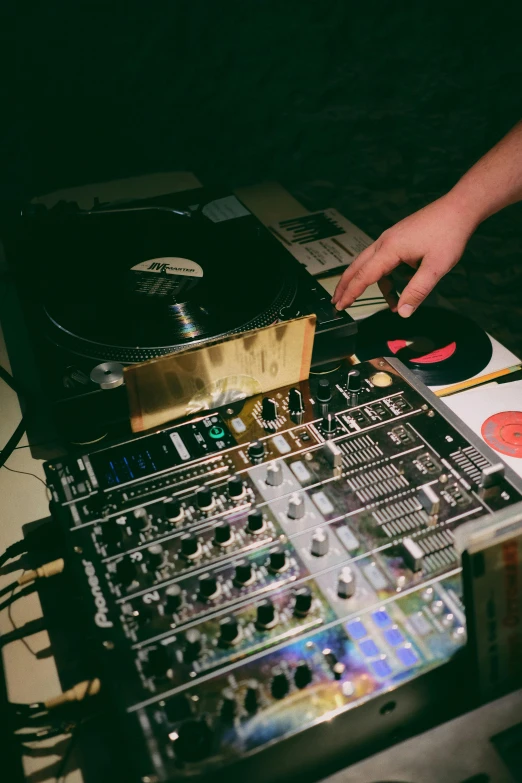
296 507
346 583
320 543
108 375
274 474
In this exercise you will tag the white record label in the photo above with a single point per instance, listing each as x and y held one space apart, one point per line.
170 266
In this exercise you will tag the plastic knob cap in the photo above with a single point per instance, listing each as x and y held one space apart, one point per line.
324 391
208 586
265 614
353 381
204 498
280 685
303 675
255 522
320 543
277 560
158 661
228 705
303 601
126 572
236 488
172 510
189 545
296 507
223 534
274 475
243 572
140 520
228 631
256 451
252 697
295 401
270 407
346 583
173 598
329 424
193 645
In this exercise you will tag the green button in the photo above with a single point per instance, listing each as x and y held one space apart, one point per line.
216 432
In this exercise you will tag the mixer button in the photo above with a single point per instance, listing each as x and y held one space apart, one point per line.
303 675
279 685
172 510
236 488
265 614
295 401
243 573
173 598
324 391
329 424
412 554
190 546
204 498
208 586
178 708
155 556
346 583
274 474
193 741
269 406
140 520
229 631
277 560
223 534
353 381
303 601
320 543
126 572
159 661
256 451
193 645
112 533
255 522
252 697
228 705
296 507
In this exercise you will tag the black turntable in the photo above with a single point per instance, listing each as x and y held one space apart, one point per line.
123 283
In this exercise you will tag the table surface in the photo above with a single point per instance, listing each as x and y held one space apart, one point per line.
23 498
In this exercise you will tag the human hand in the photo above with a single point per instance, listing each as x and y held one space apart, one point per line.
431 241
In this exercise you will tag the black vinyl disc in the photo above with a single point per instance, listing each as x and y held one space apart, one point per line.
131 285
439 346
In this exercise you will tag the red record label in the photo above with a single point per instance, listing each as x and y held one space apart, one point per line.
503 432
439 355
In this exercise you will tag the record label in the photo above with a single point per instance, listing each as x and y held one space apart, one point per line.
433 357
170 266
503 432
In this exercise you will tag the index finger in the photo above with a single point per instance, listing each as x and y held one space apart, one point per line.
379 265
350 271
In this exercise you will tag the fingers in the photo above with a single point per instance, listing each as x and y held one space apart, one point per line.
421 284
361 259
388 291
369 271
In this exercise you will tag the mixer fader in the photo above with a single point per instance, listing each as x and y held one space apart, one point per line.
260 569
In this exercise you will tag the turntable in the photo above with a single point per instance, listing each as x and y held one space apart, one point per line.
123 283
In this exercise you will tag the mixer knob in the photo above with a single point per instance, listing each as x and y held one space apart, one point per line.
173 598
179 707
324 391
172 510
223 534
126 572
270 407
243 573
346 583
255 522
328 424
229 631
252 697
320 543
295 401
280 685
208 586
204 498
193 645
155 556
303 601
265 614
303 675
256 451
353 381
190 547
158 661
228 705
277 561
296 507
236 488
274 474
112 533
140 519
193 741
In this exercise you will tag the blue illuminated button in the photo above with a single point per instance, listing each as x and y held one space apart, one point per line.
394 637
356 630
381 618
407 656
216 432
369 648
381 668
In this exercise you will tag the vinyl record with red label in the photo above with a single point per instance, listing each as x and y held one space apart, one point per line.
503 432
441 347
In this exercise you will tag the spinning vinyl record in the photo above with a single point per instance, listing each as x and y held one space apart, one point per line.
127 286
441 347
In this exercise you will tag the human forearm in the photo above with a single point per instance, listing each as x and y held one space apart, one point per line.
493 183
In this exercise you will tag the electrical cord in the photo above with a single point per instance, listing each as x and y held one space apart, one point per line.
17 435
38 538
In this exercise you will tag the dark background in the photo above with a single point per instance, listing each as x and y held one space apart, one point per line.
374 108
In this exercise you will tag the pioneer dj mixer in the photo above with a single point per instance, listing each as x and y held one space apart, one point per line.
256 571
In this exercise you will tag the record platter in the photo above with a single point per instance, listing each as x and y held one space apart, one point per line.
123 283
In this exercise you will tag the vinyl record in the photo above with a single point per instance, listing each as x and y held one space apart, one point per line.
439 346
129 286
503 432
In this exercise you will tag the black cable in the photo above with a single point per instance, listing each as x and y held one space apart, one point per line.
27 473
39 537
17 435
27 590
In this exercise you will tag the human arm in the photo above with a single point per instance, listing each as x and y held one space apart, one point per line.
433 239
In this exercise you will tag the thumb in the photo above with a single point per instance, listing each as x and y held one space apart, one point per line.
421 284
